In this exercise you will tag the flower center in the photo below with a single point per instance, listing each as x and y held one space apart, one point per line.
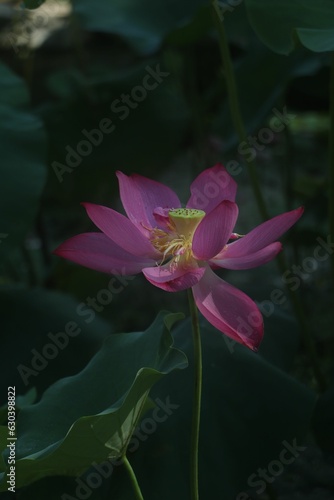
177 241
186 220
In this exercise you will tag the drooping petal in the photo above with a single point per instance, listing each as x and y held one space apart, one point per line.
263 235
140 196
229 310
250 260
97 251
214 231
211 187
121 230
173 279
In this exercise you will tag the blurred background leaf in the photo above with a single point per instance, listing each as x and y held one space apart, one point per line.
283 25
143 25
23 164
43 313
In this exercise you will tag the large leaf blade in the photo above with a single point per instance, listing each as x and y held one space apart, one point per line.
66 442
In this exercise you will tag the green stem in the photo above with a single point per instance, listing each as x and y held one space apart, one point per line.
195 105
331 158
196 415
133 478
234 105
241 132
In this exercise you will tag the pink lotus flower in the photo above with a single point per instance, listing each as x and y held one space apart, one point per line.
177 248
